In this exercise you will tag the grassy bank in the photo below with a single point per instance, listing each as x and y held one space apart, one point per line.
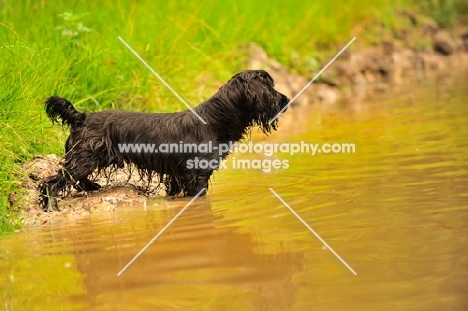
70 48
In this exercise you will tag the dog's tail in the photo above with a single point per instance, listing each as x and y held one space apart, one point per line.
60 108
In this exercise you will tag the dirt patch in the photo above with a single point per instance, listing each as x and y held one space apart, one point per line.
120 187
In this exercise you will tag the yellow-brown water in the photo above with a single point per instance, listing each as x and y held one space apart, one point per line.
396 211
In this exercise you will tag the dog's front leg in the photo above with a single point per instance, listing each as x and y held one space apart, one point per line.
173 186
199 183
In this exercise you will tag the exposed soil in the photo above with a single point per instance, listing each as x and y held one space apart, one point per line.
411 56
120 187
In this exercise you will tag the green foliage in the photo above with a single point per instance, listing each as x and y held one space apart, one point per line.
444 12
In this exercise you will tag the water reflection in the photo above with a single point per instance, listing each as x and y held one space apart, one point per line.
198 254
200 260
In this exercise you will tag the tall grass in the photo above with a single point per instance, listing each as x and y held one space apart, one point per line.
444 12
70 48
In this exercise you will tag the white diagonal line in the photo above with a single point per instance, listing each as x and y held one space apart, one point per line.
161 79
312 81
312 230
160 232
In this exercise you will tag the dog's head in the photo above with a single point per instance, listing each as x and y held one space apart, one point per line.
255 91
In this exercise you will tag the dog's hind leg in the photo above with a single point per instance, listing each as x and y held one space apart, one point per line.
83 184
78 166
50 189
47 200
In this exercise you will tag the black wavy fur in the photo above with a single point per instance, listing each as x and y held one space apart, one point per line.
60 108
248 99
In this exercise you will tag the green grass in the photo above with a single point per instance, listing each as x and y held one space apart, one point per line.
71 49
444 12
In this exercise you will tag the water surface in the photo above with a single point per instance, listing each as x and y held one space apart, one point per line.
396 211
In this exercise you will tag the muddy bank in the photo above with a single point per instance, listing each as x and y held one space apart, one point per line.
120 188
415 50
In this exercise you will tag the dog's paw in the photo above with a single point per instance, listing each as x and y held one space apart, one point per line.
50 205
87 185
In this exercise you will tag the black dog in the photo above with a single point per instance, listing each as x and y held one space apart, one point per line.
96 139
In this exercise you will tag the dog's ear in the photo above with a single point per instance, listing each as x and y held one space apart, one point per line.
263 100
254 93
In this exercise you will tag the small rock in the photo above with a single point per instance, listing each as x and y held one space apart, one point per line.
42 166
443 42
257 53
459 45
102 207
465 41
326 94
370 77
110 200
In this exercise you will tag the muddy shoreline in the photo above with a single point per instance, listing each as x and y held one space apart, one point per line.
357 75
122 187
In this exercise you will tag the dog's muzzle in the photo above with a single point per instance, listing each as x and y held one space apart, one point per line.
284 102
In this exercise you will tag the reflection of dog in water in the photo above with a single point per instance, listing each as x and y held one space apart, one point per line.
248 99
199 251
